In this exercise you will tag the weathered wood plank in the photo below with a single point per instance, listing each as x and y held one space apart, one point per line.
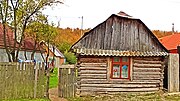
104 81
122 38
93 77
148 58
90 60
93 89
147 62
113 40
93 64
147 65
148 73
93 68
157 81
147 69
92 72
119 85
146 78
173 73
93 80
17 81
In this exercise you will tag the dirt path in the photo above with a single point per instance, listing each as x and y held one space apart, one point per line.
53 95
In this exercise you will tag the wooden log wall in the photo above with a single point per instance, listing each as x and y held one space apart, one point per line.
149 69
90 72
147 75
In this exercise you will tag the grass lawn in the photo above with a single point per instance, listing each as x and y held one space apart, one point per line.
159 96
53 79
27 100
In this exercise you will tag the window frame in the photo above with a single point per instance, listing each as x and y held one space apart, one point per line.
120 63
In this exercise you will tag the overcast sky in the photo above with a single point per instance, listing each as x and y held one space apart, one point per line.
156 14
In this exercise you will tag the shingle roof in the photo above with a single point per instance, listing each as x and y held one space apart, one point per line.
171 42
110 36
99 52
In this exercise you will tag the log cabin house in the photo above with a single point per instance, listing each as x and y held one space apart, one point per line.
120 54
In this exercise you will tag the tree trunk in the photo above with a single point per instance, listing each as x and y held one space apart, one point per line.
42 55
5 44
53 60
4 14
25 55
34 50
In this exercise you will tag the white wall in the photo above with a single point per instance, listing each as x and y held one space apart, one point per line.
4 57
37 56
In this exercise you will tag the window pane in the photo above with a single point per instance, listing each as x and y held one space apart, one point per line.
116 71
124 59
116 59
124 73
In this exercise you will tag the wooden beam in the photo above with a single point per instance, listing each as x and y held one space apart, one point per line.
147 62
93 77
104 81
147 65
148 73
147 69
93 89
120 85
93 68
92 72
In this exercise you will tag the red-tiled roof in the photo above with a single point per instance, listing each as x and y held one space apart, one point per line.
171 42
9 36
27 44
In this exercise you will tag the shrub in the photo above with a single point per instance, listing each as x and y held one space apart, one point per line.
70 57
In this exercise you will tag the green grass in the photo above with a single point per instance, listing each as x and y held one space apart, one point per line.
158 96
53 82
27 100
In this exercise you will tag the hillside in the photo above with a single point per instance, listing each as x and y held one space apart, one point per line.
160 34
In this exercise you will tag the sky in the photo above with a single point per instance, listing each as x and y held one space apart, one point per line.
156 14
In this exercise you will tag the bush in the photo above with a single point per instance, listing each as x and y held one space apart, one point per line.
63 47
70 58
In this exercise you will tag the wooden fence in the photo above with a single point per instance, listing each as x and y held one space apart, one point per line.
22 80
67 80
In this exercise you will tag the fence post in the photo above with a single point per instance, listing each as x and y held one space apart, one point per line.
35 81
60 82
173 73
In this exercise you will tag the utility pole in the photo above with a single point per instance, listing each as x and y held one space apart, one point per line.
59 21
173 28
81 26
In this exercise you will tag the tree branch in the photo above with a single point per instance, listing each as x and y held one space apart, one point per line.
4 18
12 4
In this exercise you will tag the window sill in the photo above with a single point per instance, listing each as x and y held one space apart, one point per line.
118 79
